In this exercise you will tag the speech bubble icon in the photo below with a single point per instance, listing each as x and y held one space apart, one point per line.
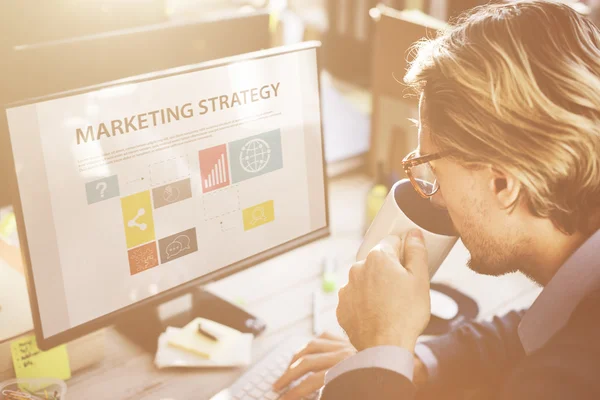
179 244
184 240
173 249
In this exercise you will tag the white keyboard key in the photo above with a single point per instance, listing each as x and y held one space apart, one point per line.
285 363
273 367
282 360
257 382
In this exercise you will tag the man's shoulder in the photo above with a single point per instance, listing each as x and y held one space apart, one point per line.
568 366
578 340
584 320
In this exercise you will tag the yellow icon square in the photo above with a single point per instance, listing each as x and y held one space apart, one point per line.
138 219
258 215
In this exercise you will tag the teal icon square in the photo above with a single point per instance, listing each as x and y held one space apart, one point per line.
102 189
255 156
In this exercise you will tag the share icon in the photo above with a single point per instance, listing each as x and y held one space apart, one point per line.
133 222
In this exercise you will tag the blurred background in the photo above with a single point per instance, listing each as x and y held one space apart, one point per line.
51 46
56 45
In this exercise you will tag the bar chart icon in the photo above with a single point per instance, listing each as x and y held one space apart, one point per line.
217 175
214 168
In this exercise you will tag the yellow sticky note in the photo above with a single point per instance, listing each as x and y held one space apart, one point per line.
273 21
8 225
258 215
138 219
30 362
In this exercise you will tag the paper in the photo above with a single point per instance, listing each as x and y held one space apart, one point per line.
31 362
190 340
235 348
240 354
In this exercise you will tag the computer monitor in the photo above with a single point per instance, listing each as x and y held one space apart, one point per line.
134 192
39 69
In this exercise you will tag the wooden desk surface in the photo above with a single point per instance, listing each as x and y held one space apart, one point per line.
279 291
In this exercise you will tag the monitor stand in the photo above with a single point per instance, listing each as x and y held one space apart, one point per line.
144 325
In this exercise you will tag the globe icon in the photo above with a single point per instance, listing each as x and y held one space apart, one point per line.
255 155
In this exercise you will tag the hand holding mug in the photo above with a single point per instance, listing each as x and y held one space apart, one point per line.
386 302
403 210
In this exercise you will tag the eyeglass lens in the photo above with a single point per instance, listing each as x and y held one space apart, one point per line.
425 178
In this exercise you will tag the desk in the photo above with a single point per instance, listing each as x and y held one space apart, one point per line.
279 291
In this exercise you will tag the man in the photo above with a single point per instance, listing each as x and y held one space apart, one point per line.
509 115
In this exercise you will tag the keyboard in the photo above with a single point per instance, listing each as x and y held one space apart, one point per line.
257 382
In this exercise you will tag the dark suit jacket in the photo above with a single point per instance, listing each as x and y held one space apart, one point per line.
489 355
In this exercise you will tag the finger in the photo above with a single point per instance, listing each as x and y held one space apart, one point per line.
390 245
306 387
354 274
415 254
340 310
319 346
309 363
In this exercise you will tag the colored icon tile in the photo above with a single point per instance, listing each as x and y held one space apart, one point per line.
102 189
142 258
258 215
172 193
214 168
177 245
138 220
256 155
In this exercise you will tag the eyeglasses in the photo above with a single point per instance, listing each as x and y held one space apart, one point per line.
420 172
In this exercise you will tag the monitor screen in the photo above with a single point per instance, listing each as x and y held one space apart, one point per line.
136 190
40 69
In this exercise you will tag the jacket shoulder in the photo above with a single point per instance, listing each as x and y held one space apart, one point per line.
369 383
568 366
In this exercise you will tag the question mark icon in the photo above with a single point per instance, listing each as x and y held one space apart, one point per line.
101 186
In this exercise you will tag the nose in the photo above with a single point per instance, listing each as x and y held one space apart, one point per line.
438 200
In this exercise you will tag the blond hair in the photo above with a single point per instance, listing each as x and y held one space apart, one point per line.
517 85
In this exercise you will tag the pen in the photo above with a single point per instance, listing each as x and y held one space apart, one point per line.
316 317
207 334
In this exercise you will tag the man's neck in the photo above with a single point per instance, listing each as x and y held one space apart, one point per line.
550 250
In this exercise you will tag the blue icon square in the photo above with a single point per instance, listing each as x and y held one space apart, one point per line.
255 156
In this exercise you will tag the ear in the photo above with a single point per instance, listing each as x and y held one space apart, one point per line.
504 186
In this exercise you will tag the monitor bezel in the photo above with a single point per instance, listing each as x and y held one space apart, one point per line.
93 325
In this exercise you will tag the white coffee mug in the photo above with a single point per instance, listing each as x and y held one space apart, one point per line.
403 210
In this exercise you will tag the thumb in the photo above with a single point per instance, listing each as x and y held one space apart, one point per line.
415 254
390 245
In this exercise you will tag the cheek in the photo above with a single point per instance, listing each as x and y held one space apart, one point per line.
454 195
455 210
